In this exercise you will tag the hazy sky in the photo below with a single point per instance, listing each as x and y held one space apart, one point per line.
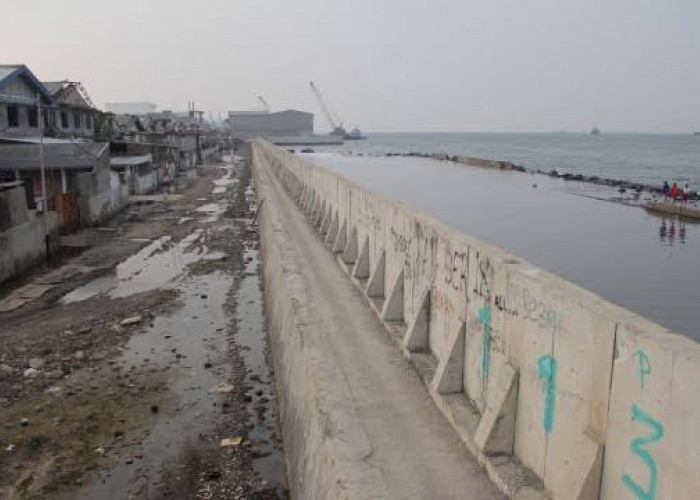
385 65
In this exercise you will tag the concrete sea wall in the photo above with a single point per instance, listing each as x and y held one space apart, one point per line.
324 449
557 392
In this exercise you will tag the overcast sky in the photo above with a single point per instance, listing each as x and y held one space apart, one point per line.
385 65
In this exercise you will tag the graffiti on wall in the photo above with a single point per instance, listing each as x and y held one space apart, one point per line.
547 370
639 446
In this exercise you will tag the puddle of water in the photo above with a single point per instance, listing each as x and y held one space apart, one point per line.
215 210
180 343
251 334
159 264
223 183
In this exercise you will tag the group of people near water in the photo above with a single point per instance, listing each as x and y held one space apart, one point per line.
676 193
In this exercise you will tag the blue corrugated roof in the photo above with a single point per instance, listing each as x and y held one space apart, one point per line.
10 72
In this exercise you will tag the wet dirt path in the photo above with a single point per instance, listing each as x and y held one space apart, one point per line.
193 413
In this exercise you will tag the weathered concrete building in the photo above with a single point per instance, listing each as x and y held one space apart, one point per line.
19 93
249 124
137 172
74 115
76 169
25 235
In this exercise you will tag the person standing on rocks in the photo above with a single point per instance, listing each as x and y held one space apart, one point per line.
674 192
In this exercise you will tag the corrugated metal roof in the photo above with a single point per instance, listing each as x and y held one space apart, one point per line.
130 161
35 140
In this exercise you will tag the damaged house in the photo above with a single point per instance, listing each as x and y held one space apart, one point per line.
77 178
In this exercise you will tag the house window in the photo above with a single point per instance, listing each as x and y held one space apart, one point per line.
64 119
88 121
33 114
76 119
13 116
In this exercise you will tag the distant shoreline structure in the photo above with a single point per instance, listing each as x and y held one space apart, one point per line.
621 185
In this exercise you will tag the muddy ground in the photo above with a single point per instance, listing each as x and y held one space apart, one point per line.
139 368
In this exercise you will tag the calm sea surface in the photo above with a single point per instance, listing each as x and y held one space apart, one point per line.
648 264
633 157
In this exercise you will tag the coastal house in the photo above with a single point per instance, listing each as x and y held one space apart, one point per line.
75 113
20 94
27 237
76 169
137 172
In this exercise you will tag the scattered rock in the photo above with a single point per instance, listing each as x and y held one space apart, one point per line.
79 355
233 441
204 296
24 422
116 329
222 389
133 320
207 365
54 374
6 370
32 373
154 409
36 363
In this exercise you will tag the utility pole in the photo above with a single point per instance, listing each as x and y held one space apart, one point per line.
40 120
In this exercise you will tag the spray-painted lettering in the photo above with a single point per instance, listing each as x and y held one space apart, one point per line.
547 368
644 366
638 447
484 316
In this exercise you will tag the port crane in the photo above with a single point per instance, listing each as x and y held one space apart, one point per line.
265 106
337 129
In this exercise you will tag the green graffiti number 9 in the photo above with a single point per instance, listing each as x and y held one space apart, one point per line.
547 366
638 447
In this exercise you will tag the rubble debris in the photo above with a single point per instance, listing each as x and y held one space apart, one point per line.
222 388
233 441
133 320
36 363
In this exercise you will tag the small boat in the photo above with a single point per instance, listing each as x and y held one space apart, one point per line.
355 135
595 131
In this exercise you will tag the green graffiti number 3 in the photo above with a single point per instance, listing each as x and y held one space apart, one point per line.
638 447
547 366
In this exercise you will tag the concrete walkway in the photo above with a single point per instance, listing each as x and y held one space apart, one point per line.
417 453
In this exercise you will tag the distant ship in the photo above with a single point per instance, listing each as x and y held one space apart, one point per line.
595 131
355 135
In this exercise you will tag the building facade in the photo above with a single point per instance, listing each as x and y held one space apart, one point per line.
246 124
74 115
